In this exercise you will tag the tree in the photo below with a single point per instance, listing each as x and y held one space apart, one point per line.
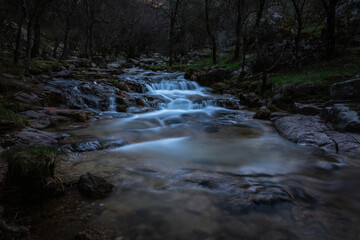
299 9
209 30
330 27
69 12
22 16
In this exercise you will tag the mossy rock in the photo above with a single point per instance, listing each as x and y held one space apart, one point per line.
43 66
32 172
31 162
10 121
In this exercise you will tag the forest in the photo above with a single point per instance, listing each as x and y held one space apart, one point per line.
179 119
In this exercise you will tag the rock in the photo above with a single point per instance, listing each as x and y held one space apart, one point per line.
30 137
99 61
344 119
27 98
46 117
83 147
64 73
308 130
263 114
312 130
134 62
94 187
211 77
346 90
307 88
71 67
250 99
306 109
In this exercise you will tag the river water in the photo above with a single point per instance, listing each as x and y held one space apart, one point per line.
195 170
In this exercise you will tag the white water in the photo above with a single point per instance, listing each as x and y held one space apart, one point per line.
112 104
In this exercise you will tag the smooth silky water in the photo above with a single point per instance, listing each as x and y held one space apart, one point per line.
194 170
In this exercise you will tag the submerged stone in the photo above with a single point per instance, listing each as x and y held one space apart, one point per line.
94 187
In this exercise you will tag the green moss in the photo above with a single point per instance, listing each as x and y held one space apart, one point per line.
112 80
9 115
348 64
31 162
43 66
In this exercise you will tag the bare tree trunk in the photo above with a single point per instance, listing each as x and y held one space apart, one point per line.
172 31
238 29
330 41
90 26
22 14
257 25
210 33
244 52
299 19
35 51
56 46
28 44
65 52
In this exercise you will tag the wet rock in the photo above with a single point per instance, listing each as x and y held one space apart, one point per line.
95 145
46 117
346 90
30 137
94 187
306 130
263 114
306 109
344 119
210 77
83 147
312 130
27 98
250 99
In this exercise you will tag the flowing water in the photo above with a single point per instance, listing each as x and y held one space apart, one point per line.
193 169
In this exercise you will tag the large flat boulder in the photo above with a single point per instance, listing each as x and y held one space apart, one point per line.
312 130
30 137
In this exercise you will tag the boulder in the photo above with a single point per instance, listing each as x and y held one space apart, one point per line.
345 90
307 88
302 129
344 119
263 114
94 187
312 130
30 137
306 109
214 75
27 98
250 99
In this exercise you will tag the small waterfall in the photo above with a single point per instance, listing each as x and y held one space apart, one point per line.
112 104
172 85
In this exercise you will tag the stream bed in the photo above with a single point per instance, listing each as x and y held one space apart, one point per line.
194 169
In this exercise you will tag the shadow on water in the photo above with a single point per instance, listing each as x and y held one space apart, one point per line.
195 170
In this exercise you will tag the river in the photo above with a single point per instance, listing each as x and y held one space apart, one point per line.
193 169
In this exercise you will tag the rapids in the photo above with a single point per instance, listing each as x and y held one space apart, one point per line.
193 169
